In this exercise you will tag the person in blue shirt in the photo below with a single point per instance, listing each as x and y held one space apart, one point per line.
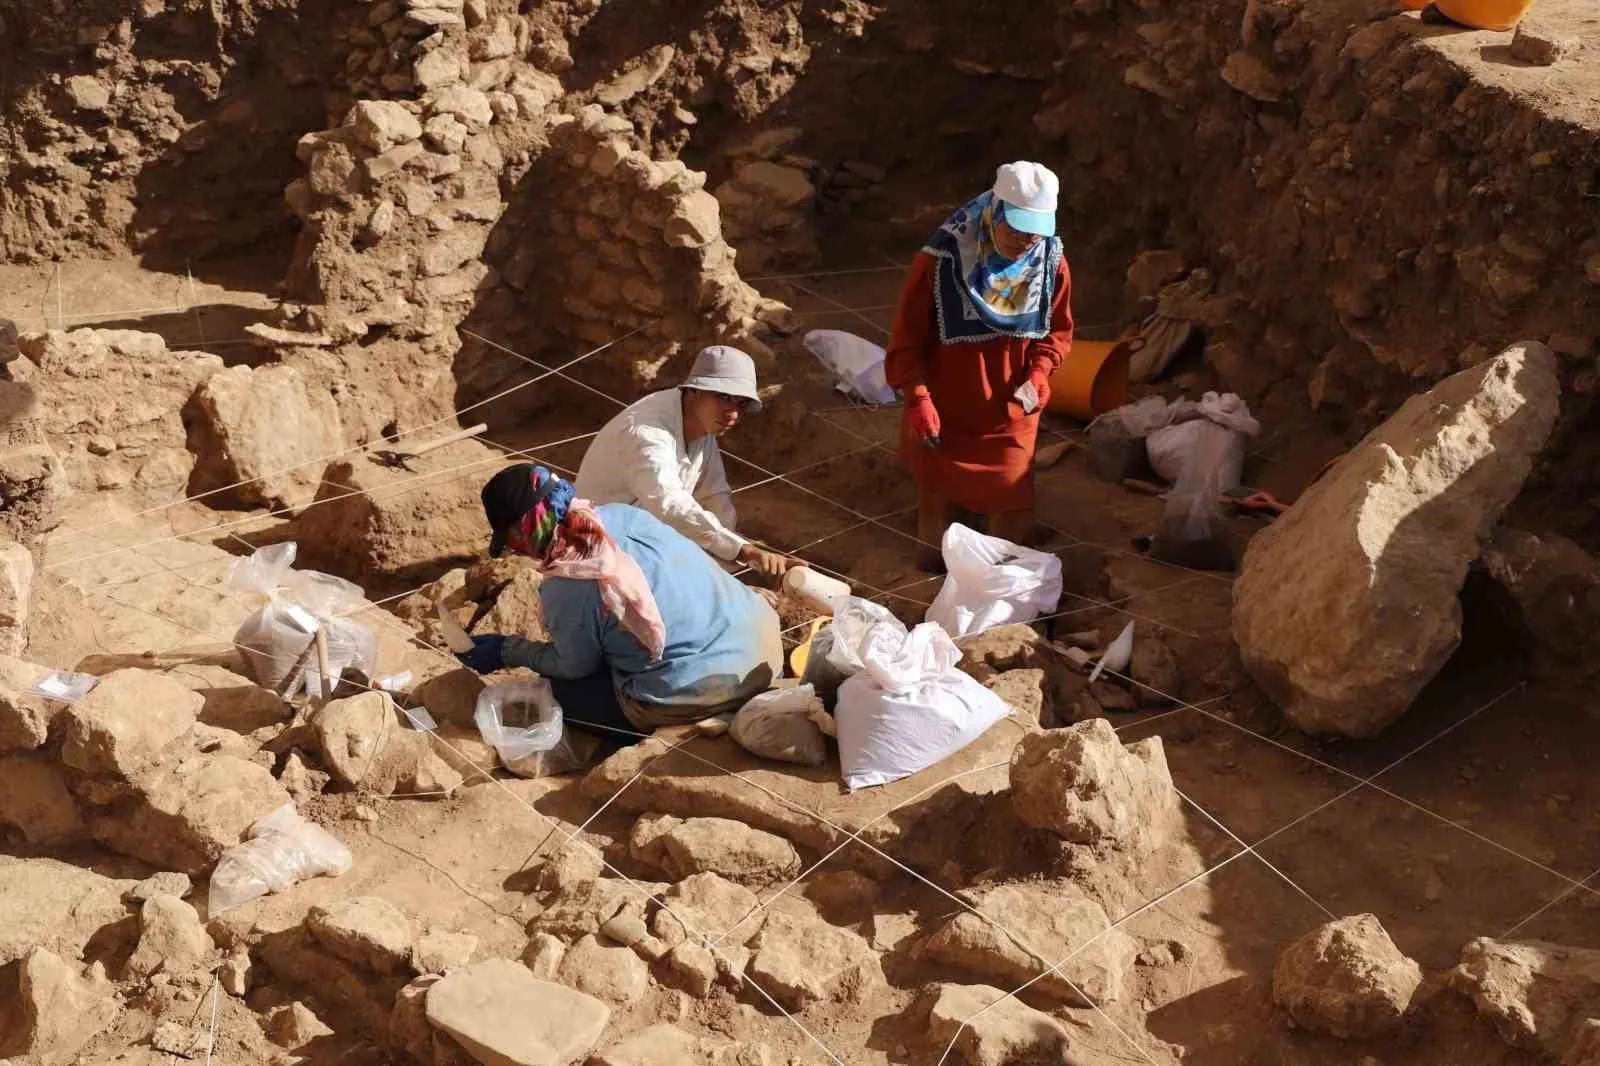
644 628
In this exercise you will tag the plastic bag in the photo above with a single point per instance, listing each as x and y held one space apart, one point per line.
1116 438
522 722
992 582
855 361
283 849
836 648
1193 531
778 725
1170 448
884 735
278 642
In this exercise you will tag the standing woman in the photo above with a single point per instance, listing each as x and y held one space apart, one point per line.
985 318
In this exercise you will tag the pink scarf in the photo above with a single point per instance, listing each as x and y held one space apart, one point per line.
624 591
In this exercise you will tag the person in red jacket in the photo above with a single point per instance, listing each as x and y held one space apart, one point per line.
983 321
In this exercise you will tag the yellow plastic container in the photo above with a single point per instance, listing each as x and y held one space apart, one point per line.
802 655
1092 379
1478 14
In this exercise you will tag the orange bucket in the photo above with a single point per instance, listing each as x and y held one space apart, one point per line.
1485 14
1093 378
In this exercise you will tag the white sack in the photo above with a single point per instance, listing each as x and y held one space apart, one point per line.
884 736
992 582
779 725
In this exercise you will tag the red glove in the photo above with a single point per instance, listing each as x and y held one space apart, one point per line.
924 416
1039 375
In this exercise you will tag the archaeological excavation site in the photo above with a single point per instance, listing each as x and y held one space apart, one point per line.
777 532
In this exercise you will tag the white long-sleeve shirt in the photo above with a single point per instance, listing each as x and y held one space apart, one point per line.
640 458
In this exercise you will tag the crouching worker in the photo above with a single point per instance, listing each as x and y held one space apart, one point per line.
644 629
661 454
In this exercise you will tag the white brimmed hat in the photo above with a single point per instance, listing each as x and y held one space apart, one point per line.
1027 194
727 370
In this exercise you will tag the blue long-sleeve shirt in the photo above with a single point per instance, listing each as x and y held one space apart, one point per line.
722 637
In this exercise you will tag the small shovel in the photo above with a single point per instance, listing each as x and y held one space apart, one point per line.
398 460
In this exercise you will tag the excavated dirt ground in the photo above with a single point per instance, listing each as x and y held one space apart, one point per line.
1476 815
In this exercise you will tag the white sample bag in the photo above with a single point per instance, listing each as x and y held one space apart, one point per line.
283 849
855 361
779 725
992 582
522 722
836 649
278 642
909 707
1219 428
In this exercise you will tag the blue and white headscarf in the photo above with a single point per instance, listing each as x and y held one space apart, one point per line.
978 294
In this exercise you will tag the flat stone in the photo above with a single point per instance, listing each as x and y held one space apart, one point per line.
126 722
24 720
693 967
293 1026
1005 1033
724 847
776 184
504 1016
367 931
63 1007
232 701
264 426
799 962
55 906
381 124
166 883
465 104
1043 922
171 939
1349 603
441 950
664 1045
88 93
606 971
1346 979
709 906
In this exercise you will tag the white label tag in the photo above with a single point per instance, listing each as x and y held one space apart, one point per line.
302 618
64 686
421 718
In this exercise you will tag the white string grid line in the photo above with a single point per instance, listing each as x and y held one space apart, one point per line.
638 888
842 308
1565 894
323 460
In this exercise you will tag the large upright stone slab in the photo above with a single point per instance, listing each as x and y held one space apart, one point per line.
1347 605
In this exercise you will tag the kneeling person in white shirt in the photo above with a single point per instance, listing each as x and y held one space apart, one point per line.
661 455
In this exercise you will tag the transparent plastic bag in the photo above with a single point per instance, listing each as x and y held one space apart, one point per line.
522 722
1193 531
779 725
282 849
1217 431
992 582
278 642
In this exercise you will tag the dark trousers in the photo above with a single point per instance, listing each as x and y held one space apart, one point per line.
590 704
